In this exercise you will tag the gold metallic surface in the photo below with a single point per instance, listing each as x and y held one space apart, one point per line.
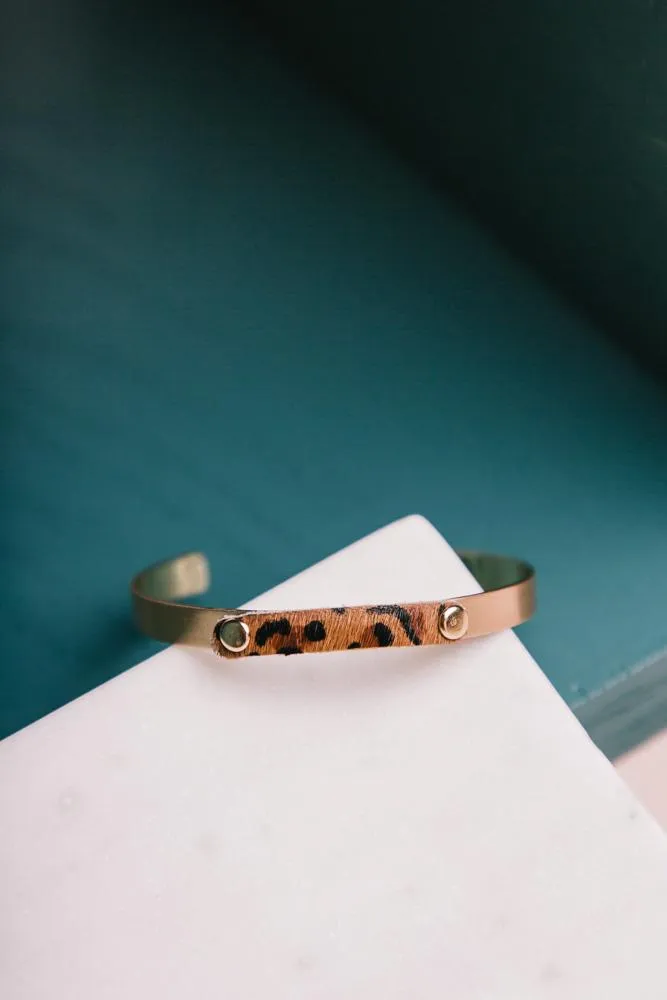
229 629
453 622
508 600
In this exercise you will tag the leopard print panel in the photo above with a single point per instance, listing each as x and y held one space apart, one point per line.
329 629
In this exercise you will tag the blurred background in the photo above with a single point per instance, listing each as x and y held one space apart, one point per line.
261 263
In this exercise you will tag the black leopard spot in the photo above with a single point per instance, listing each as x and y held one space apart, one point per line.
383 634
403 616
315 631
278 626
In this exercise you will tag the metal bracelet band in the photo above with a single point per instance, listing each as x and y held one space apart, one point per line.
508 600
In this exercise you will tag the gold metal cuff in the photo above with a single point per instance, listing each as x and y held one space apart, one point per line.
507 601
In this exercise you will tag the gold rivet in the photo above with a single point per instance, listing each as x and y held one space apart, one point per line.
233 634
453 621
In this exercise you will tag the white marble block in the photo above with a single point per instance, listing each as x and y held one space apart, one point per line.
404 823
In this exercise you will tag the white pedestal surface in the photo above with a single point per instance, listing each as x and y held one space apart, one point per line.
402 823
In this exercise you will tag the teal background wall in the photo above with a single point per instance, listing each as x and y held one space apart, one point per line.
232 319
549 120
